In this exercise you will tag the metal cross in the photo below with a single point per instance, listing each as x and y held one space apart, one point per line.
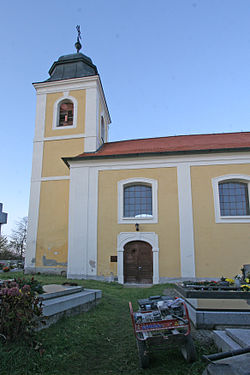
78 44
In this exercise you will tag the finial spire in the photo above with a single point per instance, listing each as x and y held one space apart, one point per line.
78 44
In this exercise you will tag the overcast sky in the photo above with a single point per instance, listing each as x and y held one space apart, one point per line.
168 67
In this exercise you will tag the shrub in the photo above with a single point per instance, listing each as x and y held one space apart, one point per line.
19 310
35 286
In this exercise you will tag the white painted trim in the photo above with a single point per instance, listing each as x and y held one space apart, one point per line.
130 220
162 161
92 222
78 225
56 110
61 137
91 123
124 237
215 185
187 253
35 186
83 203
55 178
66 84
33 215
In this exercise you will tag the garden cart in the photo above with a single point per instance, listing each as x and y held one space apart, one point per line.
162 322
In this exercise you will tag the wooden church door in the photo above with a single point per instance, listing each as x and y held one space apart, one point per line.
138 263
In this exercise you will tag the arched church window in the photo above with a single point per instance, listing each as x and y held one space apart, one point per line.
137 200
66 113
234 199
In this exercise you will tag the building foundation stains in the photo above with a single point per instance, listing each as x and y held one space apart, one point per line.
52 262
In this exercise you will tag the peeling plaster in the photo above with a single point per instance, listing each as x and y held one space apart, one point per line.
92 263
52 262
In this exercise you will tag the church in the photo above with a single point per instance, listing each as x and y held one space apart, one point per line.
135 211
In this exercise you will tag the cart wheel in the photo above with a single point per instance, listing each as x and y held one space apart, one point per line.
143 354
188 350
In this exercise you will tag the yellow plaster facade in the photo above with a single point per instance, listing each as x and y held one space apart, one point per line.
52 235
167 227
220 248
54 150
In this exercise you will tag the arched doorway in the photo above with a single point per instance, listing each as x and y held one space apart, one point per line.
138 262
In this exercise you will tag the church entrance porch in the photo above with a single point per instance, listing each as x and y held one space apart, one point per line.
138 262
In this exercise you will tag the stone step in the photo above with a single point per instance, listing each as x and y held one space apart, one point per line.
62 303
224 342
56 290
68 305
240 336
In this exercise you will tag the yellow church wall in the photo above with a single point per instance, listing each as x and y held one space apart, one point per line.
52 234
220 248
53 151
167 227
80 96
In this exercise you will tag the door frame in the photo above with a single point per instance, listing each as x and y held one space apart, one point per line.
123 238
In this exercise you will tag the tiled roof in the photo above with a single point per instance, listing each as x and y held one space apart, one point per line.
176 144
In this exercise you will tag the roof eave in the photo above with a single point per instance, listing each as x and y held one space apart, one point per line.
67 160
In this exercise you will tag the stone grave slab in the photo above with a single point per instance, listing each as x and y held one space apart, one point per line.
209 313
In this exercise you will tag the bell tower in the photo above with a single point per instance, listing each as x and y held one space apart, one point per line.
72 117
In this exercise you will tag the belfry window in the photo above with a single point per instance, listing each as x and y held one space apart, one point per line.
66 113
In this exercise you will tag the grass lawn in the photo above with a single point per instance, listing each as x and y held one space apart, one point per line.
100 341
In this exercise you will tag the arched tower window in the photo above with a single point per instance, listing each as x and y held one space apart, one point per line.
102 129
66 113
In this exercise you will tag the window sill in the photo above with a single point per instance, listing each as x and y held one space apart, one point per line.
233 219
139 220
65 127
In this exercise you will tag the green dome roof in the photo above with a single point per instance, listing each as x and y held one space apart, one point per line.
75 65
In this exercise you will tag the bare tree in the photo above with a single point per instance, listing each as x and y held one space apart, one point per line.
5 250
18 237
3 243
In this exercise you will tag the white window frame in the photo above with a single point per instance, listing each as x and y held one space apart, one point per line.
56 112
139 220
226 178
